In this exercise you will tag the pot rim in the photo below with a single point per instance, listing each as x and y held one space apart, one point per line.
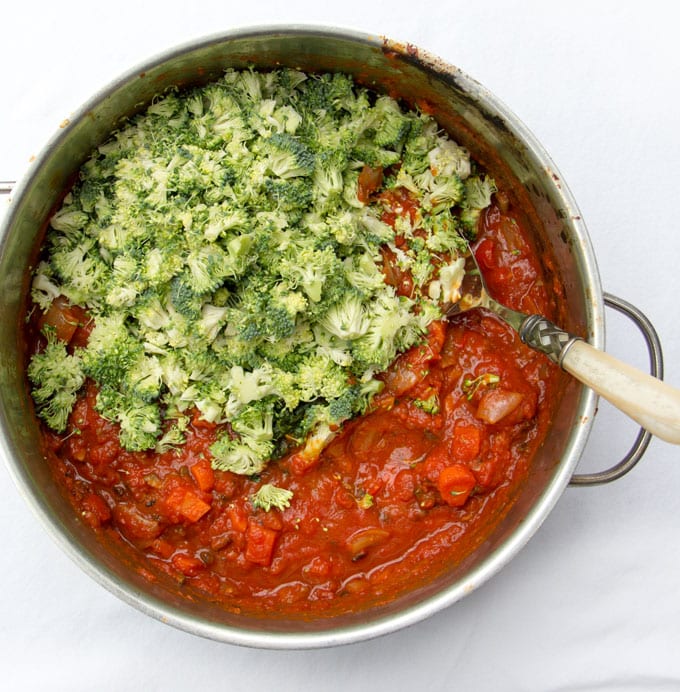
495 561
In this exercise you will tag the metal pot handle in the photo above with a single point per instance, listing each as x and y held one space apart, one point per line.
656 370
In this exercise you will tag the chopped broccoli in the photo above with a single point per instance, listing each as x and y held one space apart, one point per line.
393 327
288 157
391 125
112 350
346 319
429 405
174 436
448 159
310 269
478 193
56 377
292 196
268 496
140 425
220 245
237 457
43 287
255 423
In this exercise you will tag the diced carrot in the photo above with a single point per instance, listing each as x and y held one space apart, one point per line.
192 507
455 484
173 499
162 548
260 544
239 520
203 475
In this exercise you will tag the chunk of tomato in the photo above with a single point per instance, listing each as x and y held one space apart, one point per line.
260 543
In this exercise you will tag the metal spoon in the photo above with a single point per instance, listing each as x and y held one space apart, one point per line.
646 399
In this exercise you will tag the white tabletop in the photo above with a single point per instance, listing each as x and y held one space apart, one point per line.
593 601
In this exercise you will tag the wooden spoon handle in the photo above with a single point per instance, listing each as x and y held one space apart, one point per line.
654 404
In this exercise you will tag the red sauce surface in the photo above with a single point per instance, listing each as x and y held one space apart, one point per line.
397 495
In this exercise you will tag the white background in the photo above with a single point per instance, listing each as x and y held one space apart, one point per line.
593 601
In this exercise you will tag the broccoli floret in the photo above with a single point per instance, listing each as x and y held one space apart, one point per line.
328 178
285 353
263 316
250 386
140 425
145 377
390 124
444 234
478 191
448 159
353 401
111 350
292 196
446 191
239 457
327 93
393 327
184 299
44 288
252 448
429 405
311 269
139 420
346 319
440 191
174 436
268 496
288 156
213 318
69 220
374 155
207 268
56 377
319 376
85 277
446 289
255 422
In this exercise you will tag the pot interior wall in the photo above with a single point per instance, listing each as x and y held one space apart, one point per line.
476 120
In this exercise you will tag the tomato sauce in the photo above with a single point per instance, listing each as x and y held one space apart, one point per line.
398 495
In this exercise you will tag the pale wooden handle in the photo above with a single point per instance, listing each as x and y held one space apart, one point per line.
646 399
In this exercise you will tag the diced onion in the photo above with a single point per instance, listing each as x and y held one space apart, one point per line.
496 404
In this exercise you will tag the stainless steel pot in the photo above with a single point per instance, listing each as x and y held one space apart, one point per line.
495 137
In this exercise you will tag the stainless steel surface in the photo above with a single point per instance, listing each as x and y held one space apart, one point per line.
479 121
